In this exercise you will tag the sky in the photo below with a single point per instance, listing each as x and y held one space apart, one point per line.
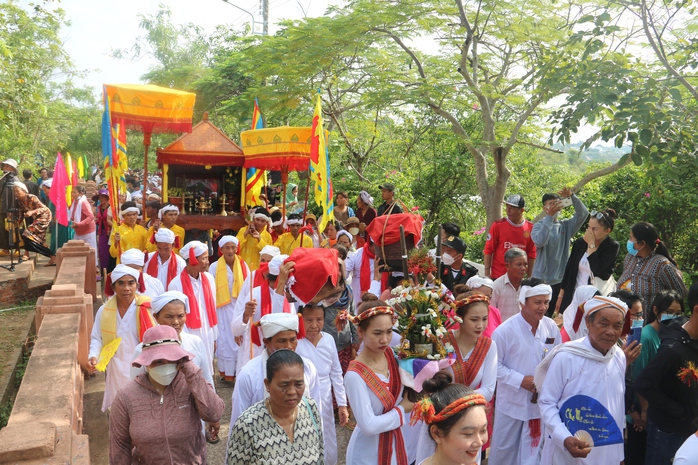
97 27
100 26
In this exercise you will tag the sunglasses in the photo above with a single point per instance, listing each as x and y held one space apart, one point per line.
598 215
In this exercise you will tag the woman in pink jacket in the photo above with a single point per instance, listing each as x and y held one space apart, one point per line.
82 220
157 417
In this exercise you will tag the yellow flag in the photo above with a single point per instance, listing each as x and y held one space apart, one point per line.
69 170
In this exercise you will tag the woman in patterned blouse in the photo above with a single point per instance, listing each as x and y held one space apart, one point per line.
648 267
283 429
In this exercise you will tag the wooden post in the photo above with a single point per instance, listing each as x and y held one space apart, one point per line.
403 244
146 144
438 254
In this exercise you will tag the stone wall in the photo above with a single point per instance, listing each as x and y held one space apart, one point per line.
45 425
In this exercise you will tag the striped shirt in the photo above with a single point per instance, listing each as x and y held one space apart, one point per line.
647 276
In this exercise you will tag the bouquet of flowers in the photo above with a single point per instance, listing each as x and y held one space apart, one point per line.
424 314
420 264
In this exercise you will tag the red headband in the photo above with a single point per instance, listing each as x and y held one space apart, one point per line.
424 409
477 297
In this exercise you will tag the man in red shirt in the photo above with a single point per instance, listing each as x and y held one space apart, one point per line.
506 233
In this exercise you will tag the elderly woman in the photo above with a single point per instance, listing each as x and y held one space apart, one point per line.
175 396
34 235
456 419
124 316
284 428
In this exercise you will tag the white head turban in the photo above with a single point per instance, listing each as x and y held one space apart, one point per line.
199 248
48 183
366 198
599 302
133 257
122 270
21 185
274 323
167 208
344 232
275 264
528 291
477 282
165 235
226 240
165 298
270 250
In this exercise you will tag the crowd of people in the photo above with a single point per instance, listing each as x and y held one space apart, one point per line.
297 320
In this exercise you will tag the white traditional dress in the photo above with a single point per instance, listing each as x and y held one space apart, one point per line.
119 368
483 381
243 329
375 415
163 266
571 374
353 265
227 348
153 286
207 333
326 360
516 418
249 386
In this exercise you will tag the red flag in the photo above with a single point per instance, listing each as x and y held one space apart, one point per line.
57 192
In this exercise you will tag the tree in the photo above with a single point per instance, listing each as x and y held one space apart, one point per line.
498 65
32 60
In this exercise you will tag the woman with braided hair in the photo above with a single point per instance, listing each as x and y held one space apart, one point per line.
374 389
476 355
456 419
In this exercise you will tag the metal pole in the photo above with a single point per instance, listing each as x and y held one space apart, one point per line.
242 9
265 17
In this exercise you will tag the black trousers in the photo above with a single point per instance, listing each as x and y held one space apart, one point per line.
32 246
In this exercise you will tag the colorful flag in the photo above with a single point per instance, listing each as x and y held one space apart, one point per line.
57 193
86 164
320 167
71 176
113 154
255 179
81 167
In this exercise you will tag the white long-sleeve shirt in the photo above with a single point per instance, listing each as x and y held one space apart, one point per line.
326 360
163 266
570 375
243 329
519 351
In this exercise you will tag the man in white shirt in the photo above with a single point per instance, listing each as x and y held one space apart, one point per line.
164 264
522 342
593 366
505 290
278 331
148 285
200 288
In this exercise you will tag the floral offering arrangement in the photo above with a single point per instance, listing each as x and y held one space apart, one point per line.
424 314
420 264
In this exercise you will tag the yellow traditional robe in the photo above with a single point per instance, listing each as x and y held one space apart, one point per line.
131 238
287 244
179 232
249 247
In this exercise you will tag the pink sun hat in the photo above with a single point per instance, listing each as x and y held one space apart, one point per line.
161 343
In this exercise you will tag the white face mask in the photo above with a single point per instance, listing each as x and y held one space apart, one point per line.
163 374
447 260
353 231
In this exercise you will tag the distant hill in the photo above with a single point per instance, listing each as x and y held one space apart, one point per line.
597 153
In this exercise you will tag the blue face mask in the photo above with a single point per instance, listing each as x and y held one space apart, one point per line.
631 248
636 323
669 316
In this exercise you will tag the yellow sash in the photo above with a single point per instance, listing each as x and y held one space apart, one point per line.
222 290
108 321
